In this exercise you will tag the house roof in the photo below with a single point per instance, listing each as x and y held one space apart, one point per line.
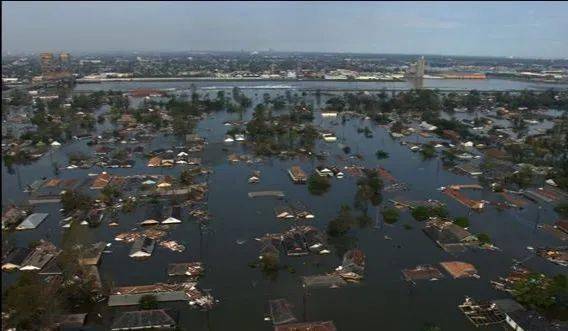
280 312
459 269
133 299
308 326
32 221
101 181
16 256
73 320
144 245
533 321
142 319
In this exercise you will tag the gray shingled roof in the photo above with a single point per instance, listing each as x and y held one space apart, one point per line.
32 221
142 319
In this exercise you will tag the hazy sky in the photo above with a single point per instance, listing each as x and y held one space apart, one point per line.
523 29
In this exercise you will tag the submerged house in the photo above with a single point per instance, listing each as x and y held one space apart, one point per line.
144 319
469 169
32 221
307 326
15 258
298 175
101 181
175 215
324 172
449 236
142 247
39 257
280 312
520 319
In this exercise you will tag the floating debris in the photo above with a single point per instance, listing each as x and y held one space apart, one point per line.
422 272
172 245
481 314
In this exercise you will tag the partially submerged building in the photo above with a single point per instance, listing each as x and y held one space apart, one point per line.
458 269
142 247
92 255
298 175
449 236
144 319
521 319
39 256
32 221
422 272
15 258
482 313
280 312
307 326
191 269
323 281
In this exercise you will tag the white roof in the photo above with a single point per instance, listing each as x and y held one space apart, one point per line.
55 143
32 221
171 220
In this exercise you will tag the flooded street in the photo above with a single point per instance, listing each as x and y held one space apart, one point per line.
226 245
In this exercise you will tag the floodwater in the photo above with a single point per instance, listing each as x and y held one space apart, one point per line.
441 84
383 301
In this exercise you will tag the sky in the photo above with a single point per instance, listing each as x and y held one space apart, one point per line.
519 29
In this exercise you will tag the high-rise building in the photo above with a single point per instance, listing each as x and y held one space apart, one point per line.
64 58
417 69
47 64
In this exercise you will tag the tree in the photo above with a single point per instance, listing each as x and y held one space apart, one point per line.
380 154
397 127
390 215
74 200
522 178
318 185
110 193
148 301
342 223
269 262
462 221
540 292
483 238
422 213
428 151
562 209
186 178
30 304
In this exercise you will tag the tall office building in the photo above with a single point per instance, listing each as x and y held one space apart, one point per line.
47 63
64 58
417 69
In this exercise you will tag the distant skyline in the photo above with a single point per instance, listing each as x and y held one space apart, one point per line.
501 29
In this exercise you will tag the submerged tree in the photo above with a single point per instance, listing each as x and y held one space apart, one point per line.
342 223
318 185
390 215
